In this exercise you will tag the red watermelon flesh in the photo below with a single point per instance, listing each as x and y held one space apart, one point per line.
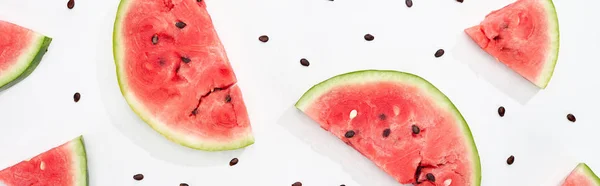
582 175
65 165
175 74
372 103
524 36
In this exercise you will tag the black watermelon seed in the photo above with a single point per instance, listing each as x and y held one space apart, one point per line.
297 184
369 37
186 60
386 133
409 3
460 1
228 98
571 117
180 24
155 39
510 160
501 111
233 162
304 62
439 53
382 116
263 38
416 129
183 184
199 0
138 177
342 185
349 134
430 177
76 97
71 4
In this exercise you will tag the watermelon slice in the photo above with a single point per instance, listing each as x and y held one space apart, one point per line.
174 73
524 36
65 165
582 175
401 122
21 52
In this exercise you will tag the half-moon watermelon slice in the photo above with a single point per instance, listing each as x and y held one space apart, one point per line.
174 73
65 165
582 175
21 50
524 36
401 122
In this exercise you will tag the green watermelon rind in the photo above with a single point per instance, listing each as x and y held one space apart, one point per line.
585 169
554 33
80 161
367 76
144 114
27 62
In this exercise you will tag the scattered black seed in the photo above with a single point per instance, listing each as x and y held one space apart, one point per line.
71 4
501 111
409 3
416 129
199 0
228 98
76 97
460 1
297 184
369 37
263 38
195 111
183 184
180 24
155 39
138 177
382 116
233 162
571 117
496 38
341 184
304 62
186 60
510 160
349 134
439 53
386 133
430 177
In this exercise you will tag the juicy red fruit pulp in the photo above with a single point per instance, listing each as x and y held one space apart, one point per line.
400 129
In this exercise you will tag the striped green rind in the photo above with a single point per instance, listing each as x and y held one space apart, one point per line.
245 139
553 50
27 62
584 169
372 76
79 160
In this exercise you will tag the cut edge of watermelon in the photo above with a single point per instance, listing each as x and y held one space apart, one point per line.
80 164
554 33
366 76
26 62
244 140
586 170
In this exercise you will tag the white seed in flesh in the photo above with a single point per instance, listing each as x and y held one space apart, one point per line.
353 114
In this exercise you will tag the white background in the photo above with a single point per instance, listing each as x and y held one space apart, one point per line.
39 113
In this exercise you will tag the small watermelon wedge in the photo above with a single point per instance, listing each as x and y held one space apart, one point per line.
524 36
175 75
65 165
399 121
582 175
21 52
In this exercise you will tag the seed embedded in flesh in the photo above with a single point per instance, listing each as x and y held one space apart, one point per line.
382 116
430 177
183 184
501 111
369 37
199 0
233 162
409 3
571 117
297 184
416 129
227 99
510 160
155 39
304 62
138 177
349 134
76 97
386 133
186 60
439 53
263 38
180 24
